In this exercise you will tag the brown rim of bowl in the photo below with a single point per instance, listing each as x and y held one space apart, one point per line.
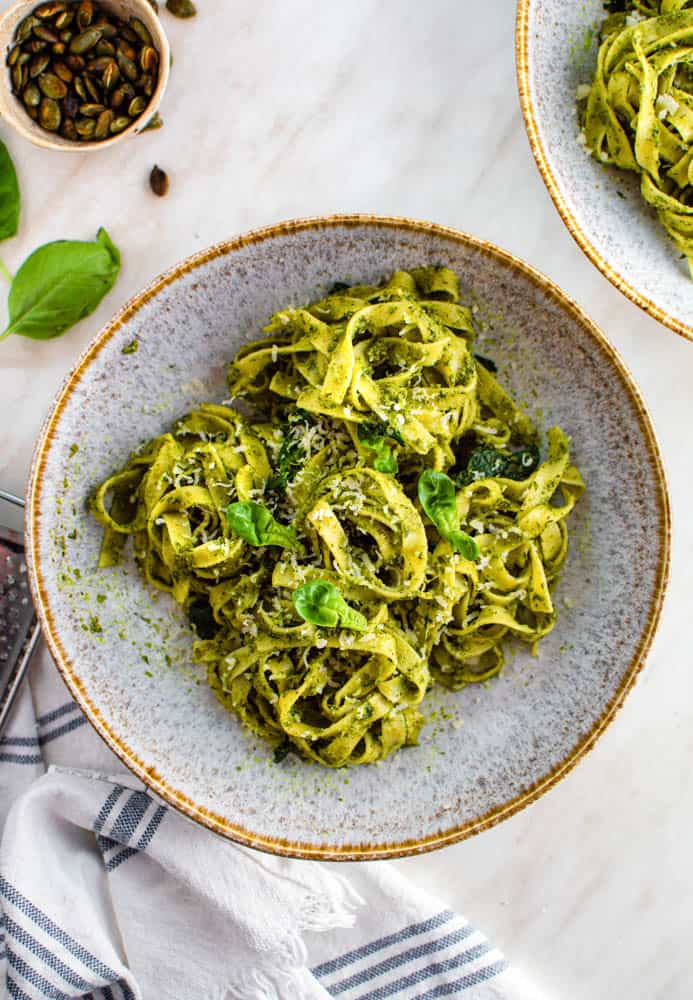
154 782
590 251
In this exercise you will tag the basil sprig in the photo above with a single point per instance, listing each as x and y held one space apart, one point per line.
320 603
59 284
255 524
373 434
439 501
9 195
486 463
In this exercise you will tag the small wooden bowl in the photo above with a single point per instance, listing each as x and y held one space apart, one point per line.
12 110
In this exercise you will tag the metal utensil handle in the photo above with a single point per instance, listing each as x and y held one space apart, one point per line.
14 681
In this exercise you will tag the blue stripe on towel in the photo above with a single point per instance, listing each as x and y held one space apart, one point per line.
29 942
15 990
421 975
41 920
473 979
62 730
107 808
35 978
395 961
130 817
335 964
19 741
21 758
153 825
57 713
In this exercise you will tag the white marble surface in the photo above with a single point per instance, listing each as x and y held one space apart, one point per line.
277 110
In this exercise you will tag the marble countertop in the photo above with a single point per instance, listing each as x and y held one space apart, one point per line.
398 107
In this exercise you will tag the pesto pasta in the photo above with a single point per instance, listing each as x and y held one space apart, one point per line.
638 112
379 519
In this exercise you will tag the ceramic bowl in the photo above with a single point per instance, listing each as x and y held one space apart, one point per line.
601 206
125 653
12 111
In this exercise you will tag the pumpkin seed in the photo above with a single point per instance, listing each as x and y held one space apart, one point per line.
148 85
35 45
76 63
80 89
25 27
31 95
127 50
148 58
92 89
141 30
48 10
38 64
59 48
127 67
49 115
84 41
45 34
107 29
136 107
158 181
19 76
111 75
68 130
128 34
156 121
85 127
64 20
52 86
32 112
85 14
118 124
63 71
91 110
99 64
105 48
103 124
71 105
66 36
181 8
13 55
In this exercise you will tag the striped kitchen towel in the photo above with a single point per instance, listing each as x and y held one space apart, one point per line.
107 894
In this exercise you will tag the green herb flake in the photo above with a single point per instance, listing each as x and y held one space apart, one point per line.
74 448
131 348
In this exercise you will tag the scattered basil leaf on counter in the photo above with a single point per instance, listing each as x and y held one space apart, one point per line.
59 284
320 603
9 195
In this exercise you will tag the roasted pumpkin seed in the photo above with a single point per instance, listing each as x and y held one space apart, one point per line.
66 36
68 130
111 75
92 89
158 181
80 89
103 124
76 63
141 30
13 55
49 115
19 76
52 86
43 32
64 20
71 105
126 49
148 59
85 127
148 84
25 27
32 112
104 48
85 14
156 121
137 106
181 8
84 41
118 124
35 45
91 110
59 49
48 10
127 67
31 95
38 64
63 71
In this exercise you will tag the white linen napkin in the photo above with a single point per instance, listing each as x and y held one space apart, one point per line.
107 894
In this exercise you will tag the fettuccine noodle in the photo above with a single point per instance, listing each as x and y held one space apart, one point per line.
360 399
639 109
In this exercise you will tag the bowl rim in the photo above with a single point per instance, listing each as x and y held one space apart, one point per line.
542 161
13 114
149 776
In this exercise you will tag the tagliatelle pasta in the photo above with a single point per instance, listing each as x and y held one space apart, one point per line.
639 109
383 521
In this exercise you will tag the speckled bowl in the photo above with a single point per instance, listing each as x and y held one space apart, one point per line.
125 653
602 207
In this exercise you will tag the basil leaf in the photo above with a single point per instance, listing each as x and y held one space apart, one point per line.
373 435
255 525
490 463
321 603
59 284
292 454
438 498
9 195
